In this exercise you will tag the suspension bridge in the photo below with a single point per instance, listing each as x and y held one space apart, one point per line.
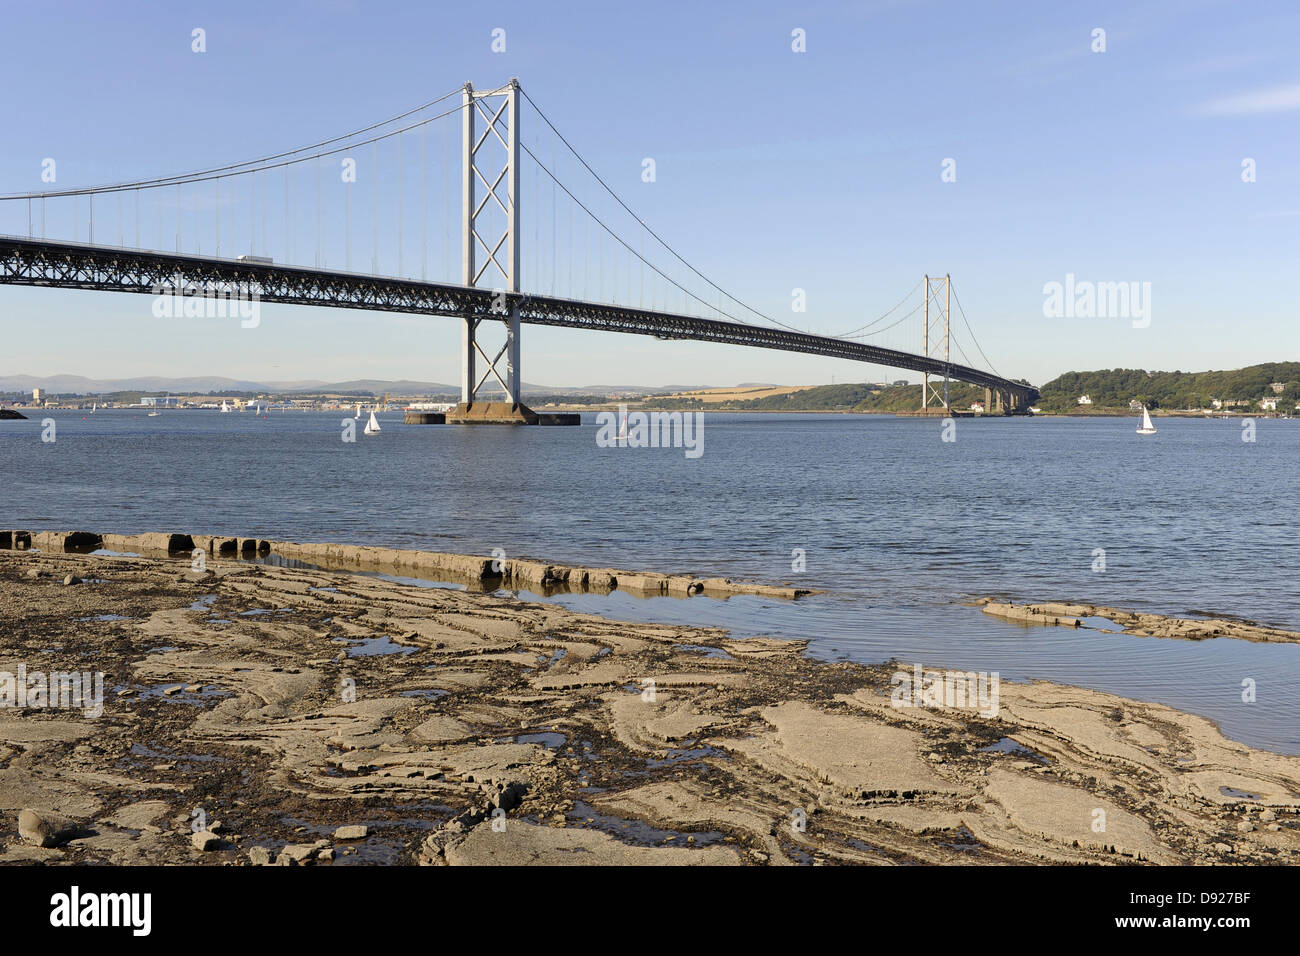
591 261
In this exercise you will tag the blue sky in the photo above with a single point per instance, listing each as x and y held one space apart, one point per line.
775 170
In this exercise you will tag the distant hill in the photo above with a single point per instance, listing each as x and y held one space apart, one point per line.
205 384
1115 388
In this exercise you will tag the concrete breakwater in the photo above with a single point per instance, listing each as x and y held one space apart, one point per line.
488 572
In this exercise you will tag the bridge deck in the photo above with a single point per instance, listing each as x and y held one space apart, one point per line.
66 265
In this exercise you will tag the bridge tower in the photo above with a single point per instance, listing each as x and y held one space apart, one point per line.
490 160
934 344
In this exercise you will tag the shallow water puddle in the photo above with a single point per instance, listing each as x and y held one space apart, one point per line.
1101 624
373 646
1007 745
178 694
1238 794
705 651
432 693
685 756
636 831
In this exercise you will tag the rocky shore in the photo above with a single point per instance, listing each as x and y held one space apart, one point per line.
484 573
1064 614
258 714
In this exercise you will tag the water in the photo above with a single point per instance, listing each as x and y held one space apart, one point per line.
897 526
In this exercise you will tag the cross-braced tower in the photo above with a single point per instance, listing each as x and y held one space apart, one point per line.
934 340
491 259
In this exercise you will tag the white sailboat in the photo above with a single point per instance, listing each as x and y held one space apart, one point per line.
224 406
358 414
372 426
1146 428
94 407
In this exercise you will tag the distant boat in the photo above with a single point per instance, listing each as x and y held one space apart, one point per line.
1146 428
372 426
94 407
224 406
153 414
358 414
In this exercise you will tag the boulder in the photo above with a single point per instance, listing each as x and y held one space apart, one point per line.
205 840
43 828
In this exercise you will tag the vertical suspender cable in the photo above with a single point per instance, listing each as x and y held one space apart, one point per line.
374 205
399 203
424 203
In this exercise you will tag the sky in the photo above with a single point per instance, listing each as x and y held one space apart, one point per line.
1008 144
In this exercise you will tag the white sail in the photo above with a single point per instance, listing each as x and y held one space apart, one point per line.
358 414
1146 428
372 426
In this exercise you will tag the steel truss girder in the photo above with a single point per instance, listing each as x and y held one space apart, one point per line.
37 262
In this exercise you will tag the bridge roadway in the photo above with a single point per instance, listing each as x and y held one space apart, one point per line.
67 265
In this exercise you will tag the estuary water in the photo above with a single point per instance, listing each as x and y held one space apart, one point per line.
899 528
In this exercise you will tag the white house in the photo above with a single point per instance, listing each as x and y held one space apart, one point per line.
1268 404
1084 400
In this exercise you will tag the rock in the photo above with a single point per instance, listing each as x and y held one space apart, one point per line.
1245 826
205 840
355 831
32 573
326 854
43 828
260 856
296 854
1273 828
1268 816
71 579
1223 848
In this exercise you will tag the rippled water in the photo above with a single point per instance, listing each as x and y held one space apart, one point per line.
896 525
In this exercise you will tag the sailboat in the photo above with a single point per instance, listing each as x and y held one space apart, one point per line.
94 407
372 426
224 406
1146 428
358 414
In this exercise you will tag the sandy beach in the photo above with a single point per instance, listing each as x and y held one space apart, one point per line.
256 714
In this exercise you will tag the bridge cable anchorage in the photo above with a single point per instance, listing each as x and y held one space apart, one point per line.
657 237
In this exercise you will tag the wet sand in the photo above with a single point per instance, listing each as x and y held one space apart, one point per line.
269 706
